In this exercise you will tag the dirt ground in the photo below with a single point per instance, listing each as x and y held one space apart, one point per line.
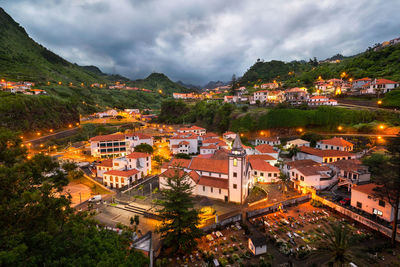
79 192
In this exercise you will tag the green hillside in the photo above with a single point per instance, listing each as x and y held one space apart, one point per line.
159 81
384 63
21 58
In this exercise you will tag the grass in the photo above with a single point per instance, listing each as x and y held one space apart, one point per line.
96 189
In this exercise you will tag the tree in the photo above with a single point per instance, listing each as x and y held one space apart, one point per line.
293 150
37 225
182 156
335 242
233 85
285 181
145 148
387 179
313 138
180 219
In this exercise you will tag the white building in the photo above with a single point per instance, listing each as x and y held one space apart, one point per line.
381 86
122 171
319 100
350 172
308 174
257 244
363 198
323 156
227 179
261 96
272 141
263 172
116 145
296 142
184 143
231 99
336 143
193 129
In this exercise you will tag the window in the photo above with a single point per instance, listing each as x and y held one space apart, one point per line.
255 172
359 205
204 188
234 186
212 190
235 162
381 203
122 180
111 178
116 179
275 175
116 164
292 173
262 174
220 191
302 178
234 174
269 174
377 212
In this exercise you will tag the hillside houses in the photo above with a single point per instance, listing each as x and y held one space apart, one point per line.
323 156
379 86
321 101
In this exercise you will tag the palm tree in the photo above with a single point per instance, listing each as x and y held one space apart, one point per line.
284 181
335 242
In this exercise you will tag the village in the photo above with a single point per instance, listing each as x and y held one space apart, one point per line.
275 190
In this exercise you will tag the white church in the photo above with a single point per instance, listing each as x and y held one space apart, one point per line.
224 176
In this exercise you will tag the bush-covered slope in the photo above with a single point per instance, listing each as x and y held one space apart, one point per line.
29 113
159 81
384 63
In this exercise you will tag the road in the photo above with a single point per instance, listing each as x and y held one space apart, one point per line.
60 134
352 106
359 134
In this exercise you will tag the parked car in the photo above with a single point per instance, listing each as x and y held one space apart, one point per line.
95 198
345 201
337 198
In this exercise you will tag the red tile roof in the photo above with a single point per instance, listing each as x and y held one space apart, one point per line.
302 163
270 138
209 147
385 81
109 137
336 141
211 140
325 153
261 165
122 173
209 165
265 148
263 157
351 165
140 135
173 172
313 170
136 155
184 143
209 135
366 188
214 182
106 163
181 163
228 133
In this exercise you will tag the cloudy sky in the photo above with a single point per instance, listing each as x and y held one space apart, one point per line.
201 40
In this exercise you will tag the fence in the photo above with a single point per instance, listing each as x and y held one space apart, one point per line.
225 219
275 206
357 217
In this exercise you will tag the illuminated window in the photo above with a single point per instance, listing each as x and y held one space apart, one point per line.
234 186
234 162
377 212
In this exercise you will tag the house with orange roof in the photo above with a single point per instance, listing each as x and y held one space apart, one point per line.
229 136
335 143
187 143
124 171
225 177
271 140
116 145
263 172
231 99
192 129
323 156
379 86
265 149
350 172
296 96
320 100
359 83
363 198
307 174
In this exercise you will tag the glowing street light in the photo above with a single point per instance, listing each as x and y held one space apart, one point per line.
379 102
381 126
340 128
51 130
38 133
41 145
59 83
300 130
70 126
21 137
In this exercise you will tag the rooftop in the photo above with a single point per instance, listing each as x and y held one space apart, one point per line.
325 153
265 148
126 173
336 141
261 165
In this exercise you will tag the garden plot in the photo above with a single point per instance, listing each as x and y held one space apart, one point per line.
228 246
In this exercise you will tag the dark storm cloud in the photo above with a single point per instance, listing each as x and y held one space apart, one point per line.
197 41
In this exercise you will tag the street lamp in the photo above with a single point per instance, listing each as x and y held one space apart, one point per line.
379 102
340 128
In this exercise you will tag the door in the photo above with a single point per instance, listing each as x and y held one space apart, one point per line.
226 198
